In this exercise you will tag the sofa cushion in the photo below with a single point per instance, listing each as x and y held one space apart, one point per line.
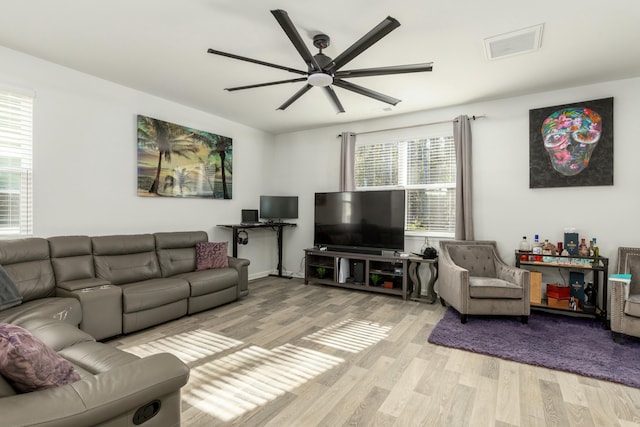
71 257
66 309
27 262
153 293
488 287
9 293
177 251
29 364
211 255
207 281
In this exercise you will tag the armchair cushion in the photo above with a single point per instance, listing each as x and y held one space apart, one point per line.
488 287
632 306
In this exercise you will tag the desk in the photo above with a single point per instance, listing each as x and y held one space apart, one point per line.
275 226
414 263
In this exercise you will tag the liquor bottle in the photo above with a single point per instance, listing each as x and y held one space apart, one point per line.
583 249
537 248
591 252
525 246
596 251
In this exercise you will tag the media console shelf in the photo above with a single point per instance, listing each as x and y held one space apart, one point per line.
324 267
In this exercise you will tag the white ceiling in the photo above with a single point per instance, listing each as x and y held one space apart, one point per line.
159 47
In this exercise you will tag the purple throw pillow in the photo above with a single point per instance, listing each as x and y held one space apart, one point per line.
211 255
29 364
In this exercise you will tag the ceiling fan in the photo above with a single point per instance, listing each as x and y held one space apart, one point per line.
323 71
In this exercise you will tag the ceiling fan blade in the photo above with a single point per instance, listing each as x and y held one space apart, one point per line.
256 61
295 97
231 89
379 31
334 98
283 19
366 92
380 71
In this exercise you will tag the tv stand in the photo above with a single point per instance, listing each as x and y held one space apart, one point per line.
366 272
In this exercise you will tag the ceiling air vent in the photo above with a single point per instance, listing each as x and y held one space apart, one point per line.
516 42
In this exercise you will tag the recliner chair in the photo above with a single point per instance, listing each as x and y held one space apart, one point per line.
475 281
625 298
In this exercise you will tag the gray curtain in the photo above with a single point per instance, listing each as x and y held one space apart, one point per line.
464 211
347 162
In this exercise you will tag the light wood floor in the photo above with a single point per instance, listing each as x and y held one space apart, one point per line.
291 354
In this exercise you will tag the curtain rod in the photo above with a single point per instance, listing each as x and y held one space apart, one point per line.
416 126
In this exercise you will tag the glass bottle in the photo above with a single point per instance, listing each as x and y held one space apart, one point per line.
537 248
596 251
525 246
591 251
583 249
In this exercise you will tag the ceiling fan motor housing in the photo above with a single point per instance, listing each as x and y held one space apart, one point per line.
321 41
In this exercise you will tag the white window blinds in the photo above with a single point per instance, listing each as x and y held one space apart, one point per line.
425 167
16 116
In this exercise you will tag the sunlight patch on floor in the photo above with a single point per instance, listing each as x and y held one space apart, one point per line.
240 382
350 335
188 346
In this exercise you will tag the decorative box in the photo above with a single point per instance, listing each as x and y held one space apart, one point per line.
535 294
571 243
576 280
558 291
557 303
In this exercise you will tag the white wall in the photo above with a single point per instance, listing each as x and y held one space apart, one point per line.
85 159
505 208
85 167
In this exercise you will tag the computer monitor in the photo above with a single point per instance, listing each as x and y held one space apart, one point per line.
276 208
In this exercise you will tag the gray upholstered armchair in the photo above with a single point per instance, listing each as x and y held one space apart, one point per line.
474 280
625 298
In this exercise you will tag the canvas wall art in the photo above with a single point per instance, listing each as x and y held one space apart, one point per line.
571 145
177 161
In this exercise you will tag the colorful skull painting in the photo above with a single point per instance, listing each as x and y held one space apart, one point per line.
570 135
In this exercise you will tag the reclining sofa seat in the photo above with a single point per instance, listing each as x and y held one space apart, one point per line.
114 389
148 299
208 288
27 262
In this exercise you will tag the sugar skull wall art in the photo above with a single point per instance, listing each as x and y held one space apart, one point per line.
571 145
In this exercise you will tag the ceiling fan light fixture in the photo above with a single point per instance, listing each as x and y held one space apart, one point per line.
320 79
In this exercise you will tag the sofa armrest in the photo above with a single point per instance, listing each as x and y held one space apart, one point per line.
99 398
242 266
453 282
619 294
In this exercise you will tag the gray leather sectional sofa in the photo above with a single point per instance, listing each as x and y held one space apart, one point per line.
79 289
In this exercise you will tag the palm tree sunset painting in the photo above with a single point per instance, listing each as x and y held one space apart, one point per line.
177 161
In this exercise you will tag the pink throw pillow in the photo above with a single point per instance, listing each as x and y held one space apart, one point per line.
211 255
29 364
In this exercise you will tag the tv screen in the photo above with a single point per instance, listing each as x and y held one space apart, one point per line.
278 207
361 221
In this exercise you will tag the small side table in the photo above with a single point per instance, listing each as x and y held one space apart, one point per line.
416 295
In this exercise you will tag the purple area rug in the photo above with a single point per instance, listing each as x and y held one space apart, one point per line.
564 343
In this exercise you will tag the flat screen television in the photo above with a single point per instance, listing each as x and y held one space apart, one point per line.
277 208
360 221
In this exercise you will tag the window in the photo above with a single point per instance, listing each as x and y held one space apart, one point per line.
425 167
15 163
